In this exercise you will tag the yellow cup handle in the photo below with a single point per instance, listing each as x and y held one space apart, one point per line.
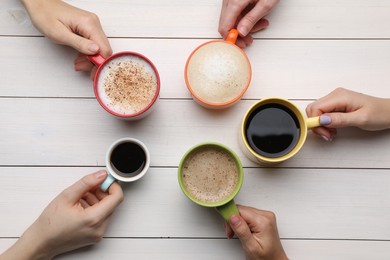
313 122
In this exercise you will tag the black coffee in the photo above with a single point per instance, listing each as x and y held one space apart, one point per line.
128 159
272 130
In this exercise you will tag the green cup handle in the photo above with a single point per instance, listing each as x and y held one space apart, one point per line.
227 210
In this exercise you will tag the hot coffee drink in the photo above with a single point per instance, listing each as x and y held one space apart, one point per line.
218 72
210 174
128 159
127 85
272 130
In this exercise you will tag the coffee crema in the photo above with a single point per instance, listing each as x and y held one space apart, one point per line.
210 174
218 72
272 130
127 84
128 159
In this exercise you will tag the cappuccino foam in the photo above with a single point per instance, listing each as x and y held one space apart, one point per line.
218 72
210 174
127 84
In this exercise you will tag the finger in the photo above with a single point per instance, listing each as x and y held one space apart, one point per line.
94 31
84 204
83 66
242 230
89 182
82 63
229 16
107 206
344 119
90 198
246 210
63 35
228 230
240 43
100 194
93 73
335 101
248 40
325 133
260 25
250 19
81 58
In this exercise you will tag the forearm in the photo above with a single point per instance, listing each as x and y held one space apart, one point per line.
28 246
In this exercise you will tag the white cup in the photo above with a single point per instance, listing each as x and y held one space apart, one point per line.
127 160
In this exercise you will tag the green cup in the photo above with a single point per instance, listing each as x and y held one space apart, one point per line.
211 175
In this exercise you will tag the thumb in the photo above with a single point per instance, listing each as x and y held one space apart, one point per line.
251 18
241 229
76 191
337 119
81 44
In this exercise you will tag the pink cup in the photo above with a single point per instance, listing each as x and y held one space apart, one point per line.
127 84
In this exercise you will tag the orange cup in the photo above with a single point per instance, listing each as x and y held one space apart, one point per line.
218 73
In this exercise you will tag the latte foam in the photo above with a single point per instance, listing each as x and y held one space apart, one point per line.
210 174
127 84
218 72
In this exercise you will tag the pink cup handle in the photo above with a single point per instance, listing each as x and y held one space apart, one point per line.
96 59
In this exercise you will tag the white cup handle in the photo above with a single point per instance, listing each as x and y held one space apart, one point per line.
107 183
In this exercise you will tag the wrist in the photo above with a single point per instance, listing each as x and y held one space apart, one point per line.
32 5
387 109
32 244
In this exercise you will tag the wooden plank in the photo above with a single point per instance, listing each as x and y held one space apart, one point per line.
309 204
77 132
223 249
295 69
167 18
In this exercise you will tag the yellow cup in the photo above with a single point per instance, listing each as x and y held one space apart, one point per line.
274 130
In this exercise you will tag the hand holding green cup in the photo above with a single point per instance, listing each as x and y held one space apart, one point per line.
211 175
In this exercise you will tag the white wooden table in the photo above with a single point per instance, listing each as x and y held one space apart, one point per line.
332 200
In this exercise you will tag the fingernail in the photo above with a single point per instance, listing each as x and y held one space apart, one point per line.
243 30
100 174
325 120
325 138
235 221
93 47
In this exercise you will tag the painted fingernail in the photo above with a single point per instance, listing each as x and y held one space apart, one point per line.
325 120
325 138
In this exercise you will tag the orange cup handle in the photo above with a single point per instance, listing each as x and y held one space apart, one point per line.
232 36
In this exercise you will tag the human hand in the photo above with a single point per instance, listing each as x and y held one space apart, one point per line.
343 107
77 217
247 16
258 234
67 25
